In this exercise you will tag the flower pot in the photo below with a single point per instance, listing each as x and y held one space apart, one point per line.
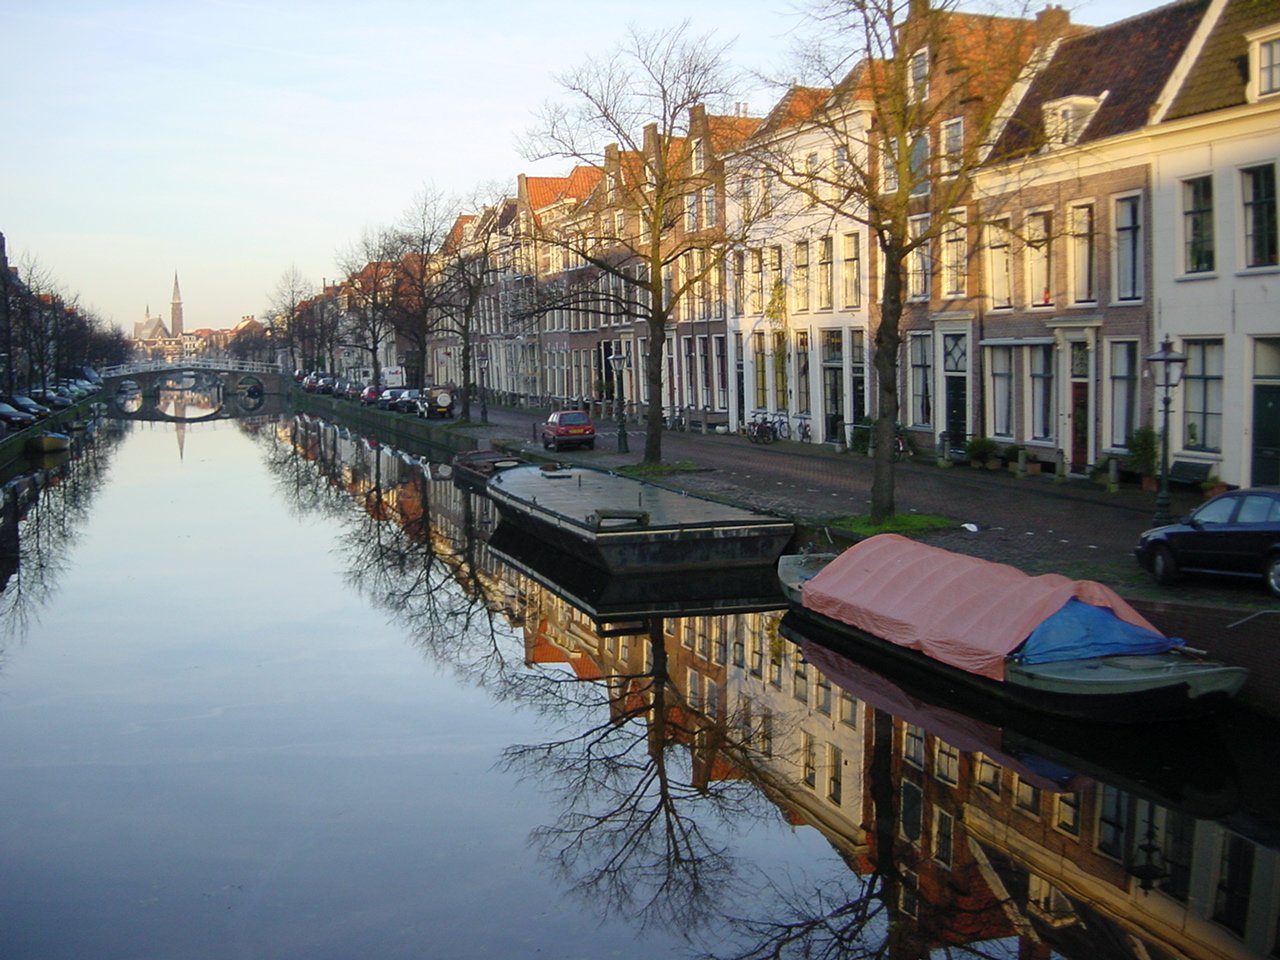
1150 484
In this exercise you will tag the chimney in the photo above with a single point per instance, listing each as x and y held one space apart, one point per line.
1051 23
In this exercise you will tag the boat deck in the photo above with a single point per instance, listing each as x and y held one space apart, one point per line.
598 500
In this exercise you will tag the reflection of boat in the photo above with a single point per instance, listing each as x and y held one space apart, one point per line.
1180 764
605 597
629 525
473 469
48 442
1047 643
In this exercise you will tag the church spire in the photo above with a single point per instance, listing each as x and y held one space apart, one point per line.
175 309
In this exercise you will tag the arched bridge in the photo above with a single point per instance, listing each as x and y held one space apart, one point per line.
230 387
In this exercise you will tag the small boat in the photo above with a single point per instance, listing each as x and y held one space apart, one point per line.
48 442
474 468
627 525
1071 648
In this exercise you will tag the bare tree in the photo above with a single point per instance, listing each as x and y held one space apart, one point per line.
424 229
626 116
284 312
371 268
917 94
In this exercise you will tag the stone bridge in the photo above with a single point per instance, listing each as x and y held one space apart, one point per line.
228 388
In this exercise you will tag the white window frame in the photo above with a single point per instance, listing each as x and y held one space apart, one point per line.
1000 264
952 146
919 264
955 256
1000 386
1246 219
1128 237
1197 224
851 271
1038 247
1264 64
1084 254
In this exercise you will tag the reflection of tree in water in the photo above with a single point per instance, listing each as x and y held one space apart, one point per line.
637 835
38 541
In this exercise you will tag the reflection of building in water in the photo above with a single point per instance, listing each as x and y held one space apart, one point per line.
967 836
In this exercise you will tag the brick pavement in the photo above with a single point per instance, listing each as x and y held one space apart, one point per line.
1040 525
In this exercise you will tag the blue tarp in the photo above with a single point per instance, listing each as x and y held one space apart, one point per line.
1080 630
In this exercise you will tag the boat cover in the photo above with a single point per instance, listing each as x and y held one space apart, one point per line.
972 613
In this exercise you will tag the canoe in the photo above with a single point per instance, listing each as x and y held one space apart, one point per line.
627 525
1070 648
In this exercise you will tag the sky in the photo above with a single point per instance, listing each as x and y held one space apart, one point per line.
229 141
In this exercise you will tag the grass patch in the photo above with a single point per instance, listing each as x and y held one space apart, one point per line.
904 523
642 470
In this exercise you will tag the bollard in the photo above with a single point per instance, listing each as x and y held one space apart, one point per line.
1060 468
1113 475
944 454
1022 465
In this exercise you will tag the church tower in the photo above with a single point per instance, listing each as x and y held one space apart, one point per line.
175 309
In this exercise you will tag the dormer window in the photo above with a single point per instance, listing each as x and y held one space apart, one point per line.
1065 119
1264 64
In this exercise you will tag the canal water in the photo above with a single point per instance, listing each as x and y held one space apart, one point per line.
272 689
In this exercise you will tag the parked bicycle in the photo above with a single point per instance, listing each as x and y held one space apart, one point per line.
806 432
782 427
902 448
759 429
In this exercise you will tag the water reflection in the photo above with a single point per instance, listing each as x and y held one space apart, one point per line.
695 703
689 716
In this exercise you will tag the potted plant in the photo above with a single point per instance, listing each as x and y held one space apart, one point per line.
980 451
1144 448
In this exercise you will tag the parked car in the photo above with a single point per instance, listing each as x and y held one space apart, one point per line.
27 405
354 389
407 401
387 399
310 381
50 397
325 385
435 402
1236 534
568 428
14 417
370 394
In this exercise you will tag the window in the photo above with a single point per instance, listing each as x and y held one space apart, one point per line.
921 347
781 360
920 166
918 261
691 212
739 281
823 700
1039 259
1269 67
912 811
699 155
824 273
1202 395
1197 225
952 146
998 252
807 760
1129 248
835 773
709 206
1044 405
1083 288
987 774
1002 391
1235 883
800 282
847 709
851 275
918 75
1124 392
946 763
1258 189
800 681
1067 813
803 396
955 256
888 167
1113 810
943 838
913 745
1026 796
760 369
756 302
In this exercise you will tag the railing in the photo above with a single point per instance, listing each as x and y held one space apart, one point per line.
228 364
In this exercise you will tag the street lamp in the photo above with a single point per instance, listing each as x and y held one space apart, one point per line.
619 361
483 361
1166 366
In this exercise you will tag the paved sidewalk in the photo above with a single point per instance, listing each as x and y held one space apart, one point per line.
1038 524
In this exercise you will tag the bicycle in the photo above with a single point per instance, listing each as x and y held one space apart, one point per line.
759 430
902 448
782 427
806 432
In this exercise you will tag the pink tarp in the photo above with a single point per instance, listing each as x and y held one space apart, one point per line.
966 612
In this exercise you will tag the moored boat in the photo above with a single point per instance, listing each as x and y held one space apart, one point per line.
474 468
48 442
627 525
1072 648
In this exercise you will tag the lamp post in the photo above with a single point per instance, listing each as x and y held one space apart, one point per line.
619 361
1166 367
483 362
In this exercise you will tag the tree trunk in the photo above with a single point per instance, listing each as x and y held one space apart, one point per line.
888 340
653 365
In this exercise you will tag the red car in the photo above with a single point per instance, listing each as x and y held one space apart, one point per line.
370 394
568 428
